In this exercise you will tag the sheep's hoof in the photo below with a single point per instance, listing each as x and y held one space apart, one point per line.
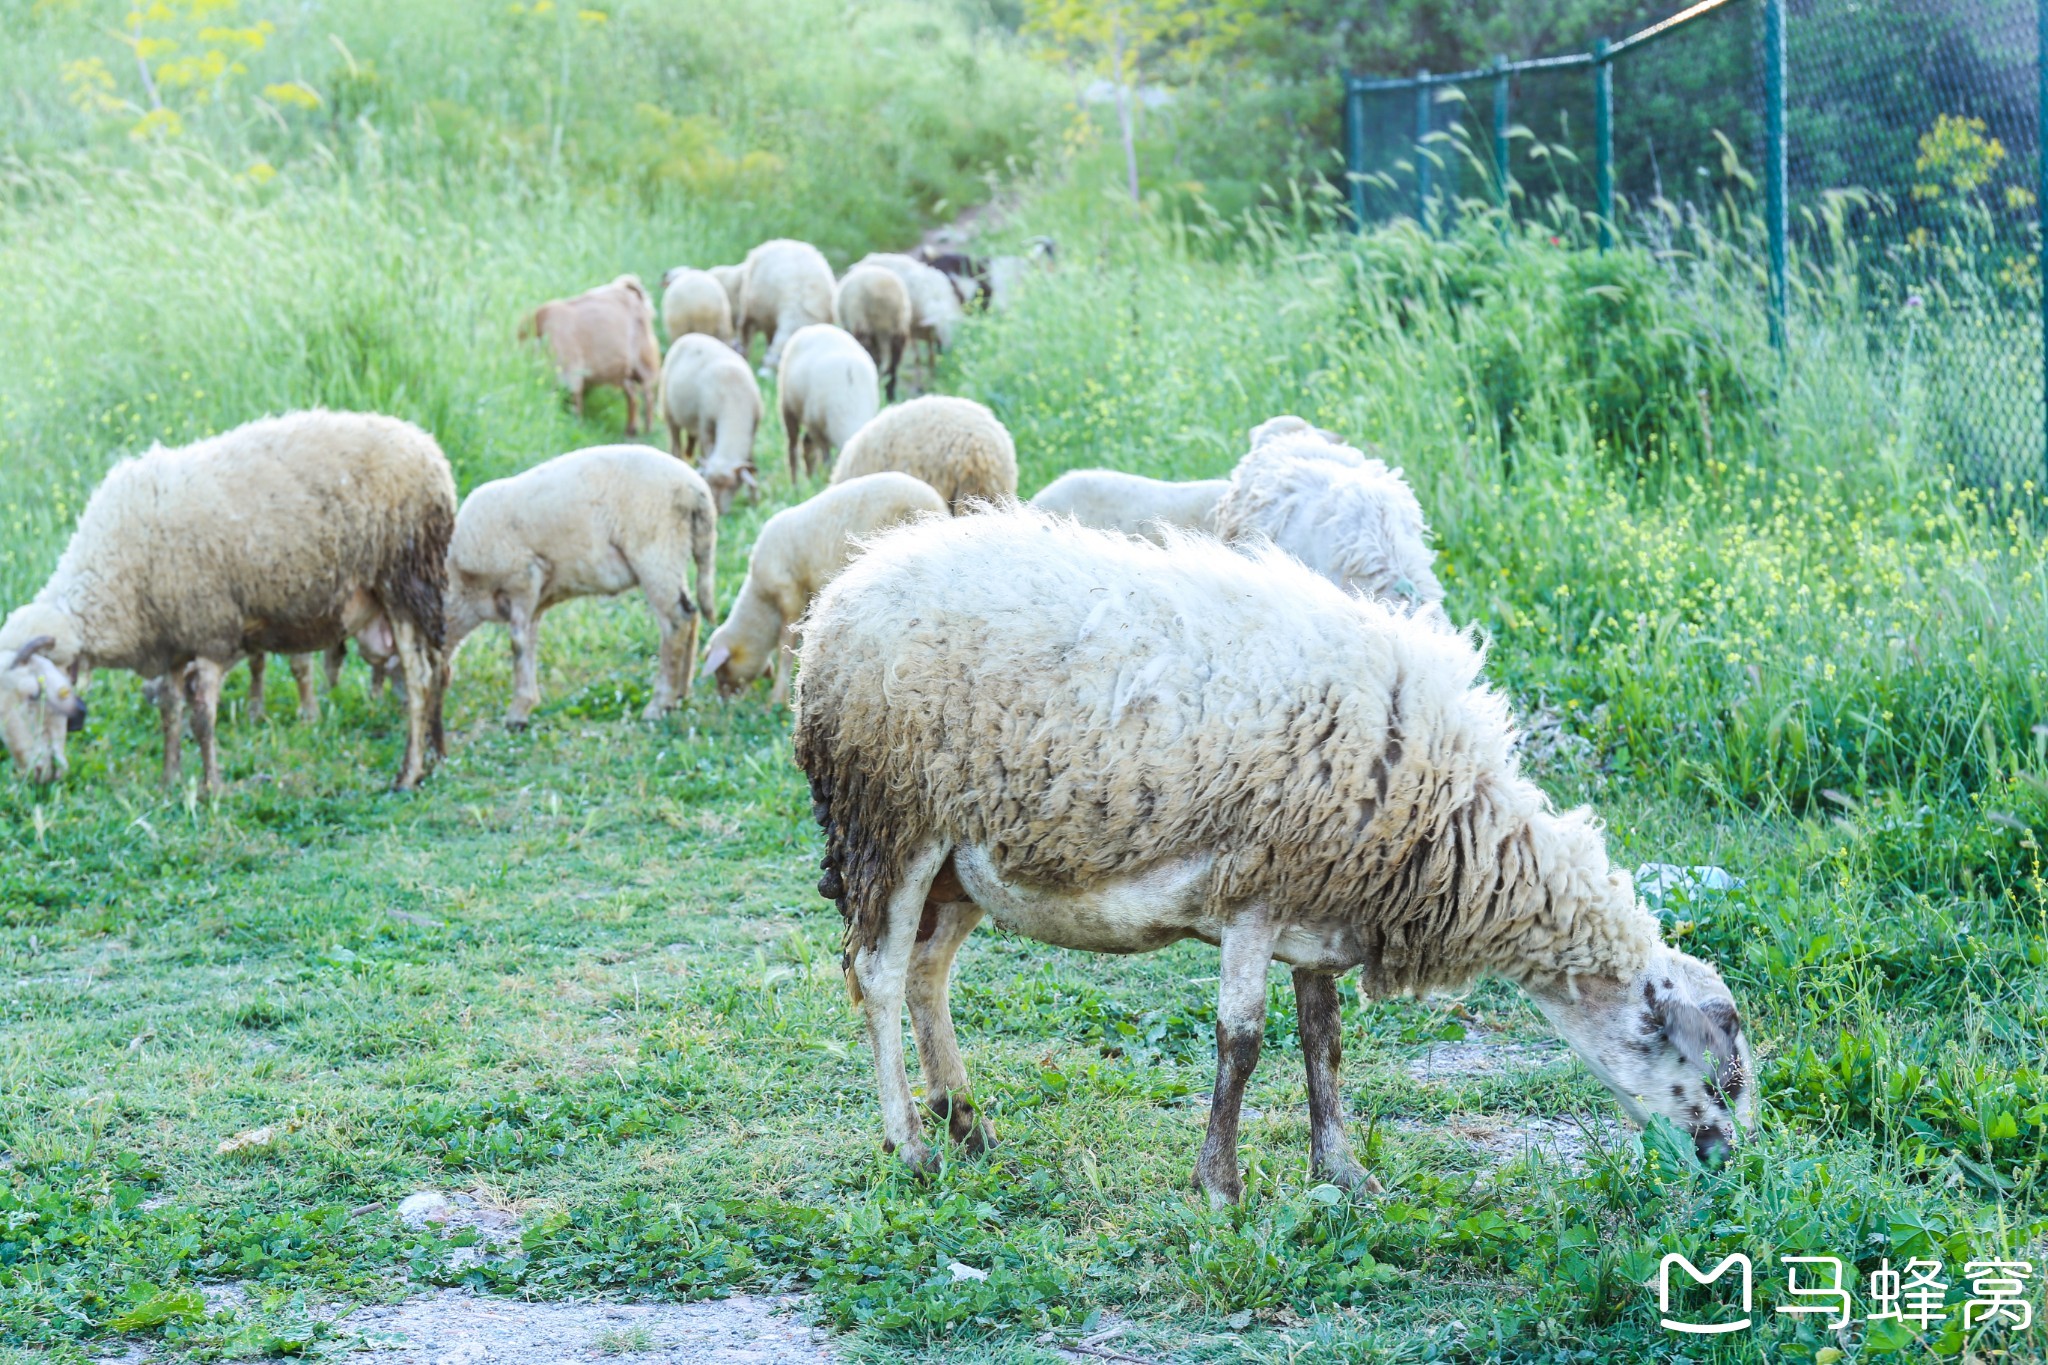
516 723
1223 1193
916 1155
655 710
963 1124
1346 1174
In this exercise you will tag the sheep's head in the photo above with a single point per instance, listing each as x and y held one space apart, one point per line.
734 656
725 483
38 703
1668 1042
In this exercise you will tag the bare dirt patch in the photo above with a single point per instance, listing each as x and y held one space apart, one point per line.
457 1327
1480 1054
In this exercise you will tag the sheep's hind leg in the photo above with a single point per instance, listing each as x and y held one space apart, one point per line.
1321 1025
170 703
882 972
676 615
949 917
1240 1028
202 690
418 666
302 678
257 664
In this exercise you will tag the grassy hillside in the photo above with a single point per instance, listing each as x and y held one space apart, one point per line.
1744 609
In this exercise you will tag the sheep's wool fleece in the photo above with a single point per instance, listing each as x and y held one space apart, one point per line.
259 535
956 445
1085 705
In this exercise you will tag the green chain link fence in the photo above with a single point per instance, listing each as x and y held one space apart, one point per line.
1883 158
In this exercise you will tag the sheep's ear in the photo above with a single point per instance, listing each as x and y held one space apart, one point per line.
31 649
715 660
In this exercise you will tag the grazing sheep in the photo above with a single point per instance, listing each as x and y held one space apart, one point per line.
796 554
604 336
1287 424
787 285
732 279
1357 525
969 274
954 444
711 401
827 391
1109 745
587 524
1110 500
873 305
935 311
694 301
285 535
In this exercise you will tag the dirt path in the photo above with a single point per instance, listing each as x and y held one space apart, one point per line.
456 1327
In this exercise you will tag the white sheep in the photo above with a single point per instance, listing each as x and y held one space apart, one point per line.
604 336
935 311
1110 745
712 403
954 444
797 552
787 285
873 305
732 279
285 535
1287 424
1351 519
827 390
591 523
694 301
1111 500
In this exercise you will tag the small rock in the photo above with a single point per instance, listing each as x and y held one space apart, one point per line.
965 1272
428 1206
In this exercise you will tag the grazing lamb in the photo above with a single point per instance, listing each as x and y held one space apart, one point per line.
827 391
711 401
954 444
694 301
935 311
873 305
285 535
604 336
1110 500
1109 745
1357 525
796 554
587 524
787 285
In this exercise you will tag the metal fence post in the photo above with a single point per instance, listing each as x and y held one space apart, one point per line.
1500 130
1354 149
1776 208
1603 139
1422 115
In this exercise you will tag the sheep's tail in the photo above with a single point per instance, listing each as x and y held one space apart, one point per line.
415 584
861 865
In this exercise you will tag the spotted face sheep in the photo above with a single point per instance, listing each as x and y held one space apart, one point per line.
796 554
954 444
786 285
287 535
1104 744
604 336
873 306
712 404
587 524
827 389
694 301
1111 500
1350 518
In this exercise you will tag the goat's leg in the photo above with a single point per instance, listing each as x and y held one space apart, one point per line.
418 665
1321 1025
202 690
949 917
302 677
170 705
882 972
258 662
1240 1028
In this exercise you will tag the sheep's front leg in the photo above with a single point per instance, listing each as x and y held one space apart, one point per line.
524 624
170 705
202 690
258 662
302 677
1321 1025
1240 1028
949 917
882 972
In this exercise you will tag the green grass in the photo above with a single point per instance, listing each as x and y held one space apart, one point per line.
585 968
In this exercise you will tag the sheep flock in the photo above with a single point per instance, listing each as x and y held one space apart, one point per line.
1125 713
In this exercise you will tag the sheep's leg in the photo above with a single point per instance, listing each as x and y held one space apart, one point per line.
793 434
675 439
202 690
302 676
170 705
1321 1026
1240 1027
418 666
257 663
677 618
524 623
949 917
785 667
882 972
337 655
895 352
